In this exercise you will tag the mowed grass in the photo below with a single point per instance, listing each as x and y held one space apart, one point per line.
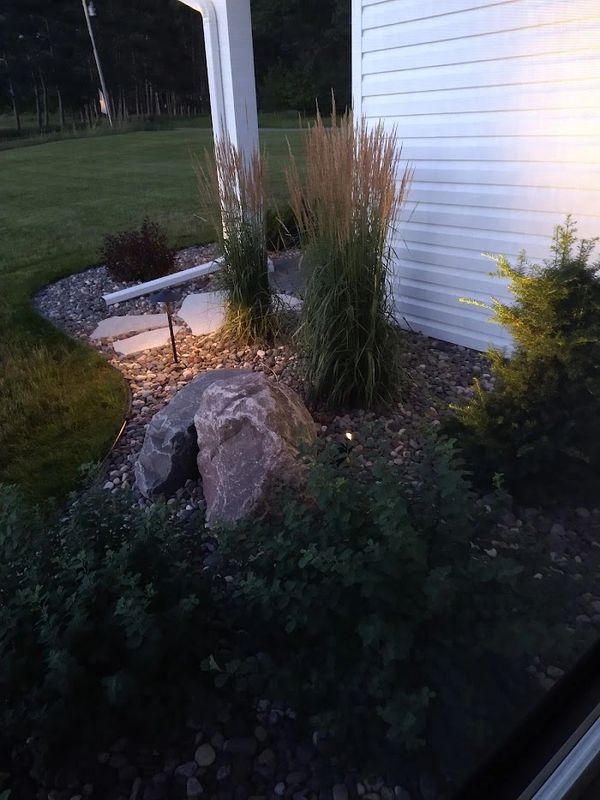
61 404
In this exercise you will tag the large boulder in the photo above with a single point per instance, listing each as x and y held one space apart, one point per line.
168 456
249 429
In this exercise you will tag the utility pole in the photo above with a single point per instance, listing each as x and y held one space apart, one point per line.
86 11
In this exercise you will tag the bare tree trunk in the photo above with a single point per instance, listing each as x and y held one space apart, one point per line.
13 102
38 108
61 113
44 101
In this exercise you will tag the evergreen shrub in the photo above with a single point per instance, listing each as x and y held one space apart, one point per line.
540 427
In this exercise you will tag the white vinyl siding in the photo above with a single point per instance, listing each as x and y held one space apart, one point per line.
497 108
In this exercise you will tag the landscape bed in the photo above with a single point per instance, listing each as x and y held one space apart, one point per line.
271 750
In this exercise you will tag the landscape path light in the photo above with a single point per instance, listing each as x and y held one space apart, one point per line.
168 297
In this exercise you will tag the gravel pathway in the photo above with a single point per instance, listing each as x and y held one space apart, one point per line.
228 760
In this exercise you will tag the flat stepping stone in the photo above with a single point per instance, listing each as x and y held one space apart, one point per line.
144 341
204 312
290 301
111 327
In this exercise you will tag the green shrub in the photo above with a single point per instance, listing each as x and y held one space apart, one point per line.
540 428
102 616
383 612
138 255
232 193
346 202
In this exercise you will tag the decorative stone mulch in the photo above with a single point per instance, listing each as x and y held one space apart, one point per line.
222 757
440 373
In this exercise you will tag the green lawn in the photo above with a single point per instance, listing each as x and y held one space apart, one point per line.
60 403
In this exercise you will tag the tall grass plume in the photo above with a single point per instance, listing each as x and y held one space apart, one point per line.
346 201
232 191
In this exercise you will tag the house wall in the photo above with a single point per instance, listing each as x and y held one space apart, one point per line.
497 107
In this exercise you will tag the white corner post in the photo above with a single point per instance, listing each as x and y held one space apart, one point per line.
230 61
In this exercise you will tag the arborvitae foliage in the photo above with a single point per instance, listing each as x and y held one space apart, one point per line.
540 428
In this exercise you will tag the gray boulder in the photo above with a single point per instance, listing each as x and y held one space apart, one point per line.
249 428
168 456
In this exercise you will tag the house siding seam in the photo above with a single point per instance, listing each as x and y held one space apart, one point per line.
496 104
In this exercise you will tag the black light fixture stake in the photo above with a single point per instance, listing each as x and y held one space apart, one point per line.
168 296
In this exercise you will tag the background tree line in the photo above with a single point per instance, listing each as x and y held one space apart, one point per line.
152 54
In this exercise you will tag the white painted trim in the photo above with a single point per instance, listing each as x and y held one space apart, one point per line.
357 55
574 767
213 59
177 278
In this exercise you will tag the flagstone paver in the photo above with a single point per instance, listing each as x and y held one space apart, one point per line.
112 327
203 312
144 341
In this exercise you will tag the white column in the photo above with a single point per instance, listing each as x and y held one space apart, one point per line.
230 61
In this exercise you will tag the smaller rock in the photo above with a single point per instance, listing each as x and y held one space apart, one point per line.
279 789
121 744
135 789
428 787
194 789
187 770
241 746
296 777
340 792
260 734
401 794
205 755
154 792
555 672
217 740
117 761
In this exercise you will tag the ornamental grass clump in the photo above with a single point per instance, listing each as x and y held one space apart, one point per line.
346 202
540 428
233 196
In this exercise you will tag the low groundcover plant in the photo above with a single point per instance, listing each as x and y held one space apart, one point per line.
383 613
